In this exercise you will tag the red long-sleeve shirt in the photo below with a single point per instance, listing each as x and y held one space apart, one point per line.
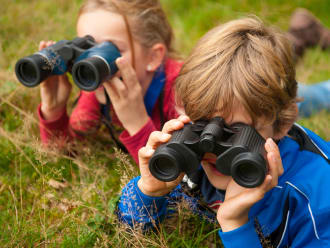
87 113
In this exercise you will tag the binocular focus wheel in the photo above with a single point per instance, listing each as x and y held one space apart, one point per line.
249 169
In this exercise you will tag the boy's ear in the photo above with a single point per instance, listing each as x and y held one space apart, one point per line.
285 128
156 56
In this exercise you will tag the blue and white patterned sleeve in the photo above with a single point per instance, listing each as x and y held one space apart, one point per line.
142 211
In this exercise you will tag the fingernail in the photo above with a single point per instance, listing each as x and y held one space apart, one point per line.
165 136
184 117
178 123
270 143
121 60
150 151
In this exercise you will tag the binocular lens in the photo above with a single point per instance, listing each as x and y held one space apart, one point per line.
85 75
166 169
31 70
247 173
89 73
165 164
248 169
28 72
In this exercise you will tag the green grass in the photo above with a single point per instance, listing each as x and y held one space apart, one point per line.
51 199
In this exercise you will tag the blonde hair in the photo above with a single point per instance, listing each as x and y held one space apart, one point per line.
145 20
241 61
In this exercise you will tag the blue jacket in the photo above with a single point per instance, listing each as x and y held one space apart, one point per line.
295 213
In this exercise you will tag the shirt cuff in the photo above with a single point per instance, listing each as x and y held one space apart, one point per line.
59 123
136 208
244 236
135 142
146 199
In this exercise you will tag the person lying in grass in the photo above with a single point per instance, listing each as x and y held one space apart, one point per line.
243 72
140 93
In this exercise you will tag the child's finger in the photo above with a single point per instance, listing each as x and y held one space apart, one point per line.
184 118
120 87
42 45
113 87
127 72
258 193
156 138
145 154
275 167
172 125
274 157
50 43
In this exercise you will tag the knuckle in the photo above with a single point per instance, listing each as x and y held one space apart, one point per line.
274 183
155 134
142 151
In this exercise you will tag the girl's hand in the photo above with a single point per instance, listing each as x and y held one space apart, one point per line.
54 91
233 212
148 184
127 97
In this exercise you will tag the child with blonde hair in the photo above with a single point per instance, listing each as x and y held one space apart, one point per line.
140 95
243 72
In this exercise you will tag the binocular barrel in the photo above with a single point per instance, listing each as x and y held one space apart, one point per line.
95 66
247 164
173 158
33 69
248 169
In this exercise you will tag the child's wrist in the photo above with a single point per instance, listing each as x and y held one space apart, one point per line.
150 192
50 114
134 127
232 224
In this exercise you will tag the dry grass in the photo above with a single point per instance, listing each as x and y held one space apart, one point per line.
56 198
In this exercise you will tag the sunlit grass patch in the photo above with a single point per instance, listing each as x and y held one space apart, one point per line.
67 198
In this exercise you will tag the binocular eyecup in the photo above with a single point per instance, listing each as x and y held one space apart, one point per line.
88 74
248 169
32 70
168 162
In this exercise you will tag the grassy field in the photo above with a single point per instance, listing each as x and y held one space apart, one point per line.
51 199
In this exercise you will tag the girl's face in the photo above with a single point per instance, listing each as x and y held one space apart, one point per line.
239 115
108 26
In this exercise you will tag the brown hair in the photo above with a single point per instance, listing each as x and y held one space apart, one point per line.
145 20
241 61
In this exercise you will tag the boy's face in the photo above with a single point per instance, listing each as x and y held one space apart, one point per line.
239 115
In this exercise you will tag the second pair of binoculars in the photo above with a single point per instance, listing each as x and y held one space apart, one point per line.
239 149
89 63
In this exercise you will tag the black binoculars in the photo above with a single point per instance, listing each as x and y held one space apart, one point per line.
89 63
239 149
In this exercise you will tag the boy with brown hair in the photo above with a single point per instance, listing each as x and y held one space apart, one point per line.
243 72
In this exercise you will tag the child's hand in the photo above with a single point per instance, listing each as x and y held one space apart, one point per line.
127 97
233 212
54 91
148 184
